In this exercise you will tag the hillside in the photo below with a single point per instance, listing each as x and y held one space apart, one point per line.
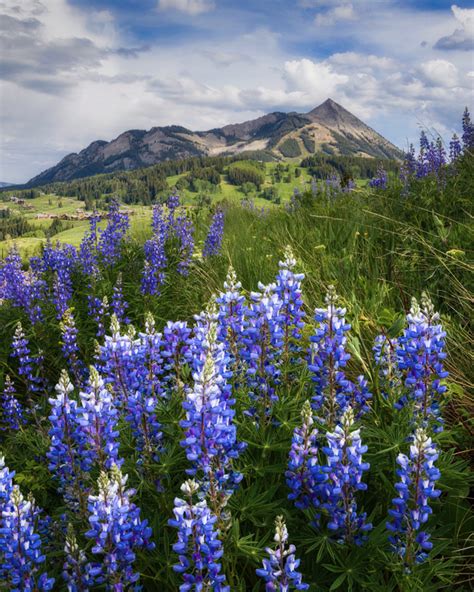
328 128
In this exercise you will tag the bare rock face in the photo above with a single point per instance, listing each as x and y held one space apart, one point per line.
328 128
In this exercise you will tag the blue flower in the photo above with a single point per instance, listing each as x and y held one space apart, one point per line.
199 548
213 242
411 509
280 569
13 414
117 532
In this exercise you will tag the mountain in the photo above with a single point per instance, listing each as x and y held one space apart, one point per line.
3 184
329 128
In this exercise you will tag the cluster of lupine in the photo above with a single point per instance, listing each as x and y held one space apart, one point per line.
330 188
251 343
280 569
213 243
380 180
432 158
21 557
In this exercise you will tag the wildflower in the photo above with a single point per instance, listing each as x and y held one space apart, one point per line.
345 469
387 360
97 419
70 347
117 532
110 239
279 570
421 355
379 181
411 508
13 414
213 243
20 547
467 130
75 568
29 366
118 304
231 318
304 473
199 548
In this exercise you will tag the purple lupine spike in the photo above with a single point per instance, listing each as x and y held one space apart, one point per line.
29 366
467 131
20 546
70 347
174 352
288 288
455 148
327 360
23 289
304 474
411 508
184 231
263 339
117 532
380 180
231 319
75 568
99 311
118 303
421 354
210 434
198 548
345 469
213 242
97 419
280 569
68 458
88 259
12 412
111 238
387 360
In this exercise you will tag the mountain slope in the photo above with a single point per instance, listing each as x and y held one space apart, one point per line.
329 127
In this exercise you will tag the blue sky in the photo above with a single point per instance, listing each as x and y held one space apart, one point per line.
74 71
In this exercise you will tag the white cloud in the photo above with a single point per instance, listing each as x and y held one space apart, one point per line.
462 38
440 73
317 79
188 6
343 12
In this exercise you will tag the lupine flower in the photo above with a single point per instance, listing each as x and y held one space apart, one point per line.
110 240
153 275
20 547
6 485
288 289
23 289
387 360
455 148
29 366
213 242
75 568
175 350
421 355
210 434
88 249
467 130
304 475
345 469
118 304
327 358
13 414
379 181
408 168
61 262
67 455
70 347
231 318
98 418
117 532
99 311
184 231
411 510
263 339
199 548
279 570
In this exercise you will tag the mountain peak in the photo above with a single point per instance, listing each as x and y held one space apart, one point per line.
328 127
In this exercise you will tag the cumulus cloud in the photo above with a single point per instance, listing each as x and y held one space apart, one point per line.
342 12
462 38
188 6
440 73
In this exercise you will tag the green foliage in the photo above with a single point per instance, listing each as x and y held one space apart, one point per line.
245 172
290 148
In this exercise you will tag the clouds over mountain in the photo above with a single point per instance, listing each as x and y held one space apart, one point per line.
463 37
77 70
